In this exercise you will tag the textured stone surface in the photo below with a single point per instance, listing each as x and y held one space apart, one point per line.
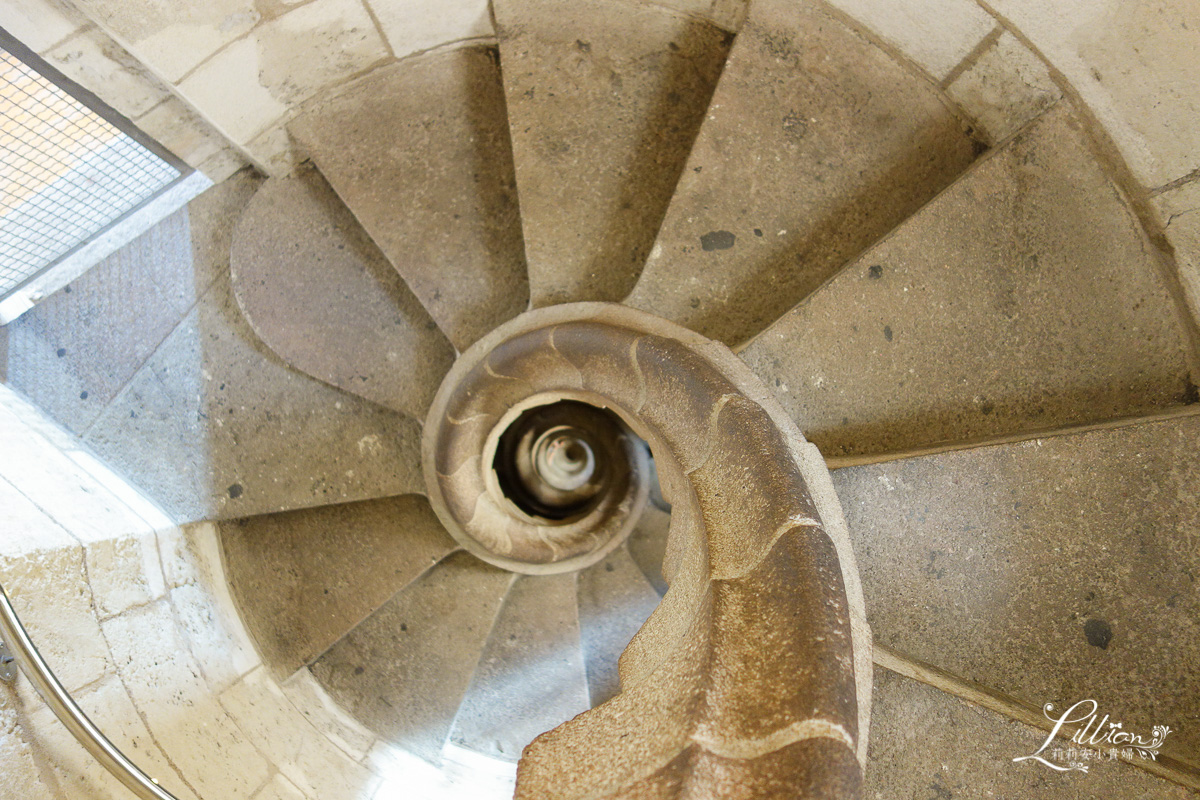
23 776
927 744
302 579
1055 570
604 100
329 719
937 34
92 59
211 752
403 671
1006 88
419 151
124 572
325 300
615 599
171 39
312 763
410 27
40 24
1127 61
648 545
1179 211
77 772
530 676
815 145
1027 296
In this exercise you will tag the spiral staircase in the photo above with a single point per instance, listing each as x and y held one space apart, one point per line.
675 250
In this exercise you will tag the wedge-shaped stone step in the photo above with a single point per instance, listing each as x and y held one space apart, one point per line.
1026 296
319 293
604 100
615 599
531 676
1054 570
303 579
816 144
419 151
404 670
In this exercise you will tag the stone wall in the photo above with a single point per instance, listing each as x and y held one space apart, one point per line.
134 616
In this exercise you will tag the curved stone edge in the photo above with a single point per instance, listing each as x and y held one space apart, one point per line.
803 456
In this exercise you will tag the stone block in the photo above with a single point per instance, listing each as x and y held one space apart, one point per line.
1006 88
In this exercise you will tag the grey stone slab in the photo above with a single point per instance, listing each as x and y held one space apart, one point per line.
73 352
419 151
530 677
1054 570
214 425
303 579
604 101
1025 297
403 671
648 543
615 599
319 293
816 144
928 744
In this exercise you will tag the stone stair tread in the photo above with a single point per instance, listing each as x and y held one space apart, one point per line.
1025 297
816 144
615 599
419 152
530 677
604 99
648 543
303 579
925 743
403 671
319 293
1053 570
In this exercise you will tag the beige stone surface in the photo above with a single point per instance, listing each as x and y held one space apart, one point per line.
1179 213
927 744
1133 63
1054 570
326 716
303 579
173 38
410 28
124 572
307 759
604 100
27 529
228 90
1026 296
92 59
177 127
419 152
182 713
223 165
214 633
24 777
937 34
76 772
280 788
1006 88
50 592
274 151
41 24
816 144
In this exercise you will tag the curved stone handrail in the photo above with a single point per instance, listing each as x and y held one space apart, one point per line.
752 678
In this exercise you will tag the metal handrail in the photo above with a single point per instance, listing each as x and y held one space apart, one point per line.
14 635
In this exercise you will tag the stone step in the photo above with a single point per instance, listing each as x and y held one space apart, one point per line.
419 152
604 100
615 598
319 293
1053 570
303 579
816 143
404 670
928 744
1025 297
531 675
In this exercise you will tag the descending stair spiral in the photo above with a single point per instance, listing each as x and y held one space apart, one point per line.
753 676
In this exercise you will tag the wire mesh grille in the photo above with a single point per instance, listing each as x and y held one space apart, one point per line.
65 173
